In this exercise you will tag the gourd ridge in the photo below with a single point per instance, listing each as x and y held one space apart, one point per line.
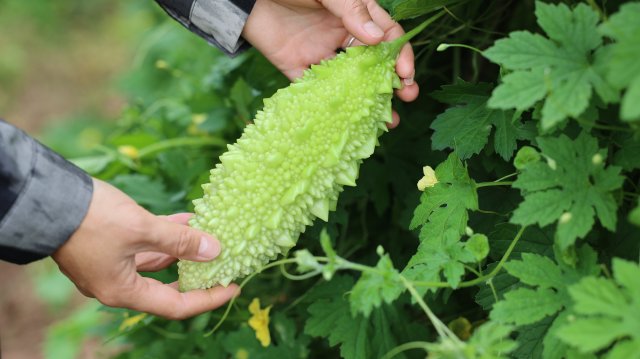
292 162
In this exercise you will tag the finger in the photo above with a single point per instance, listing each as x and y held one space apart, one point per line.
395 120
152 261
405 66
164 300
348 43
356 19
181 241
180 218
408 93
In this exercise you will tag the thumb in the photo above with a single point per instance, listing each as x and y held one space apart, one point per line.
183 242
356 19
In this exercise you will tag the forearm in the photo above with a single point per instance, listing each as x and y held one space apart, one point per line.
43 197
220 22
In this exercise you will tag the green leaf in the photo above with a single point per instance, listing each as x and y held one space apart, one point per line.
502 283
608 310
443 216
559 69
627 273
634 215
622 65
536 270
454 193
373 289
94 164
408 9
570 189
149 192
478 245
591 334
598 296
538 306
530 339
525 306
489 341
330 317
627 156
624 349
526 155
492 340
542 207
466 126
241 95
553 347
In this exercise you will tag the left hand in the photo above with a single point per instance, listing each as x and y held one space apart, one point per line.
294 34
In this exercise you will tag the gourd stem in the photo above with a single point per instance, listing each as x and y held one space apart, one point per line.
397 44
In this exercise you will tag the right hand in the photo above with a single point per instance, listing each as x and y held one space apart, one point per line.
118 238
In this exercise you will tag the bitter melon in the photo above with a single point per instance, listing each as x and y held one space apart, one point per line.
289 166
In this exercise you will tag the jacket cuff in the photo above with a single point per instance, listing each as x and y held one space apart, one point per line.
53 201
220 22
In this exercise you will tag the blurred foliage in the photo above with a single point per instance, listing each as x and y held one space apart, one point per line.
187 101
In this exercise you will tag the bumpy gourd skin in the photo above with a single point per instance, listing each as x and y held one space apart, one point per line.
290 165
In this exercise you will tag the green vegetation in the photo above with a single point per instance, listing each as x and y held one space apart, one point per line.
524 242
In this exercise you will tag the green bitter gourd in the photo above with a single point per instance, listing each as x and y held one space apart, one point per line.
289 166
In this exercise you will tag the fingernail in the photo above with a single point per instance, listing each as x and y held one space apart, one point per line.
372 29
408 81
208 249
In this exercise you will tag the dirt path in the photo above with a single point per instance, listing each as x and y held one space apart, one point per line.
23 317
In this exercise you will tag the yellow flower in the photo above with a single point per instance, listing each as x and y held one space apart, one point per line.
429 179
129 151
130 322
259 321
162 65
242 354
196 120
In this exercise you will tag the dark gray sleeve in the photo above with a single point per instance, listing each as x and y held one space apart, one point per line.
43 197
220 22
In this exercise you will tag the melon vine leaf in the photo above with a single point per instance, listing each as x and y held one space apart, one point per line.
443 216
563 69
634 215
489 341
466 126
408 9
330 316
607 312
627 156
373 289
571 188
623 67
545 294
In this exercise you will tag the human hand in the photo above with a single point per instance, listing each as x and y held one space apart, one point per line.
117 238
294 34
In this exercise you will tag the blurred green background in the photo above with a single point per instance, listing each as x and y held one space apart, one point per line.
62 65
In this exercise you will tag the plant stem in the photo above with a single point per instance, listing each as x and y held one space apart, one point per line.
404 347
507 176
603 127
244 282
398 43
483 278
180 142
443 330
493 184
